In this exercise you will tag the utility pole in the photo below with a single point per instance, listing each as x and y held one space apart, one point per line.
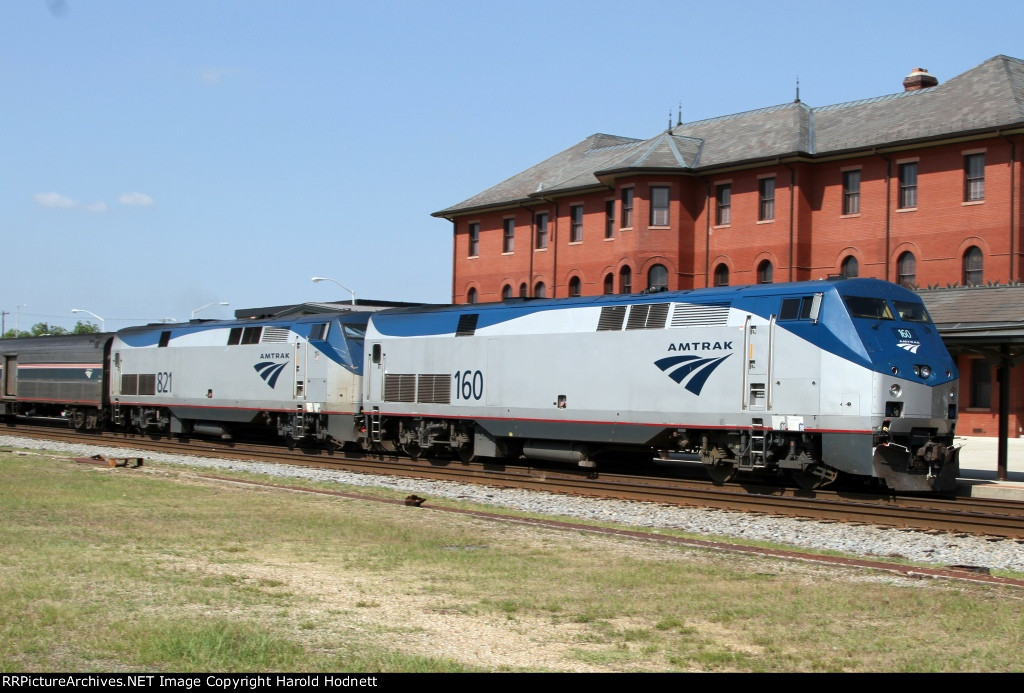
3 322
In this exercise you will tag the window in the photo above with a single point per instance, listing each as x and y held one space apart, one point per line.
609 219
540 291
542 231
766 194
471 296
723 203
765 272
625 280
609 283
318 331
973 265
522 290
851 192
576 224
247 335
981 384
722 275
906 269
850 267
974 177
474 240
506 292
574 286
627 208
657 278
659 205
508 244
908 185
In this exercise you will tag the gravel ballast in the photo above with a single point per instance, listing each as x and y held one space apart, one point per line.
858 540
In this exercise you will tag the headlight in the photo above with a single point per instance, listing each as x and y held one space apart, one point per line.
895 390
952 393
924 371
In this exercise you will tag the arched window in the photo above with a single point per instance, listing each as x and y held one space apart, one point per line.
540 291
765 272
506 292
906 269
574 286
974 263
625 280
722 275
850 267
657 278
609 283
522 290
471 296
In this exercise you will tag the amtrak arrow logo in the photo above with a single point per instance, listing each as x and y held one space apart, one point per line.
912 347
695 370
270 371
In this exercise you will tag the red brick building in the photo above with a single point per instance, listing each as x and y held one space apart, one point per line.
921 187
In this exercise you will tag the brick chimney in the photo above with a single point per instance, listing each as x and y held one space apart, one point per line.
918 79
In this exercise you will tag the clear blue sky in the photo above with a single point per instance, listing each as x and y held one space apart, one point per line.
161 156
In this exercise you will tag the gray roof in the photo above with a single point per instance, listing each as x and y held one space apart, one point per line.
988 97
978 315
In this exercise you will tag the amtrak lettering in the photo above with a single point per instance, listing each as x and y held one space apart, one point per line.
703 346
274 355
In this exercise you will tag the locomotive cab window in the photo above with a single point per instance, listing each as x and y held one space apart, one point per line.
803 308
318 331
871 308
912 312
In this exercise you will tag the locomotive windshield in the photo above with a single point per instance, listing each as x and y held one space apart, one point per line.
869 307
912 312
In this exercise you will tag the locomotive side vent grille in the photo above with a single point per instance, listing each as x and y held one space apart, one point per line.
400 387
434 388
147 384
130 384
692 314
648 316
275 334
611 318
467 325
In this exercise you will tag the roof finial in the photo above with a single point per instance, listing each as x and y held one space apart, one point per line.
797 99
670 119
679 119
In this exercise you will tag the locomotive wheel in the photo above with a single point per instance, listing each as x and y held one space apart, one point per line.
413 450
721 472
466 453
814 476
719 469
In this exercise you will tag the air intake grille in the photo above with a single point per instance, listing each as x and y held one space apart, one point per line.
611 318
647 316
400 387
694 315
434 388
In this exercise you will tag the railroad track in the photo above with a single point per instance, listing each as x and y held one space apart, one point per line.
964 515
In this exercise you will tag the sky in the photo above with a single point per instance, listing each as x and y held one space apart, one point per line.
162 158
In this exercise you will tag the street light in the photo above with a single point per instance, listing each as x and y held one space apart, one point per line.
215 303
102 324
328 279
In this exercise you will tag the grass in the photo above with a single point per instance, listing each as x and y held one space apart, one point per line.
155 570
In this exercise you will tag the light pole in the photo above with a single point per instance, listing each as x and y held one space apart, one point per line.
215 303
328 279
103 327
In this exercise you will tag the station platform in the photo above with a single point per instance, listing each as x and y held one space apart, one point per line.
979 460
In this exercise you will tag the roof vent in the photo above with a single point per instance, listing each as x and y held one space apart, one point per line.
918 79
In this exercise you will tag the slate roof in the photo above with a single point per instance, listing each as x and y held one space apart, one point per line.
987 97
990 315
